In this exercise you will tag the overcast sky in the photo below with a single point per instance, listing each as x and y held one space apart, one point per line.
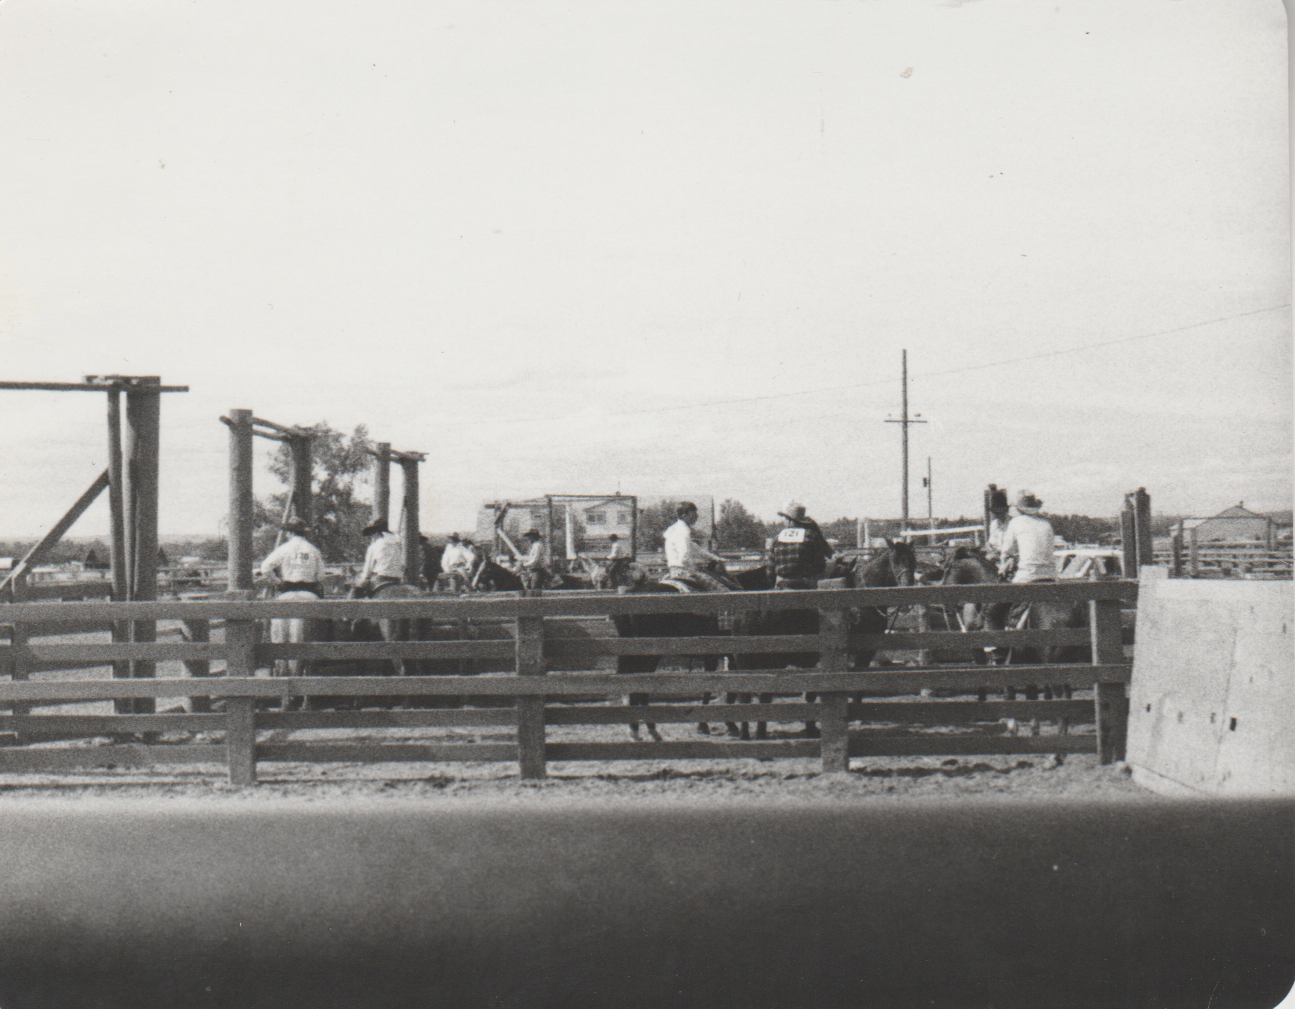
665 248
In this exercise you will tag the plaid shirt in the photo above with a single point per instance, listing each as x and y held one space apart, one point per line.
800 552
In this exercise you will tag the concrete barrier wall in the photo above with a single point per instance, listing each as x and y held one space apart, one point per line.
1212 702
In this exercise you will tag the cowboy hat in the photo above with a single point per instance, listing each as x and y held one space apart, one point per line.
376 526
293 525
1027 504
998 501
532 534
794 511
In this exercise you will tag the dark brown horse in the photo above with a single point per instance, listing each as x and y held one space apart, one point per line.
673 625
893 567
968 566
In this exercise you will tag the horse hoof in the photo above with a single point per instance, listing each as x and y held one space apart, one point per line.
656 736
703 729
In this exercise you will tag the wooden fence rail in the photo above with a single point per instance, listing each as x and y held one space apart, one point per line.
538 663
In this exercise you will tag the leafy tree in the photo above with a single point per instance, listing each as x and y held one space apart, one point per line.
337 513
737 528
653 521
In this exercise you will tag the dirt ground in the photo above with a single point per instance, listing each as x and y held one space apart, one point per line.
1031 777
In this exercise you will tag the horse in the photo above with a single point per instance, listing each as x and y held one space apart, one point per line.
968 566
893 567
392 629
672 625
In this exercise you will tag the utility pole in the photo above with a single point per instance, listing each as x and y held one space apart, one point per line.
905 421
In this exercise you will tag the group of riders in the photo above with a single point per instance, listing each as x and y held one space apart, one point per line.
1020 544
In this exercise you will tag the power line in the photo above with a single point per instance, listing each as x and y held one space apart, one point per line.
887 381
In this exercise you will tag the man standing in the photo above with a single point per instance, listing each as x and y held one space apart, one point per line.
384 561
296 563
800 551
684 557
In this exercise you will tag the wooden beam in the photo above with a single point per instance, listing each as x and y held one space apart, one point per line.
97 385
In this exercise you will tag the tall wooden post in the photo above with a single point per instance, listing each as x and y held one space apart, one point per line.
1129 543
301 446
143 416
120 555
240 500
381 483
411 532
1142 523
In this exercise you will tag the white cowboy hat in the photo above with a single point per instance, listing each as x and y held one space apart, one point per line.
1027 504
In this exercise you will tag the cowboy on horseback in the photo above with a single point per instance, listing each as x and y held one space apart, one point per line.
1027 554
384 561
688 561
800 551
295 564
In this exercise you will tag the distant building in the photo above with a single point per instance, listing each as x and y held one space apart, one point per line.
569 523
1233 525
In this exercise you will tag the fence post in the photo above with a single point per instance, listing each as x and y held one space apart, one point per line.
198 632
1110 705
1193 554
240 739
530 710
834 723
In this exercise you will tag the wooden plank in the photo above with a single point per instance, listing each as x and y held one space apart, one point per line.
36 760
712 748
964 679
572 606
965 712
71 726
383 719
906 641
530 710
938 745
690 714
381 753
240 740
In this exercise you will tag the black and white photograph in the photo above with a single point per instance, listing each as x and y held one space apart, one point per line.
526 504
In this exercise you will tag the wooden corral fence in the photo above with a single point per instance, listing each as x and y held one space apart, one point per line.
1186 558
542 651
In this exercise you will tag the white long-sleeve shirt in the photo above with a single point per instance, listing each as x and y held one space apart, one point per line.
680 549
296 559
1031 538
456 557
385 558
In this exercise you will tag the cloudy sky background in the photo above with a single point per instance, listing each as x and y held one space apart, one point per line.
664 248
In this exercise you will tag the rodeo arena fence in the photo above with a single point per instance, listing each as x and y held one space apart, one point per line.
545 661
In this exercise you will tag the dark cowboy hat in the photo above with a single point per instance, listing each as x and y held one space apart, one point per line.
532 534
377 526
683 508
998 501
293 525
